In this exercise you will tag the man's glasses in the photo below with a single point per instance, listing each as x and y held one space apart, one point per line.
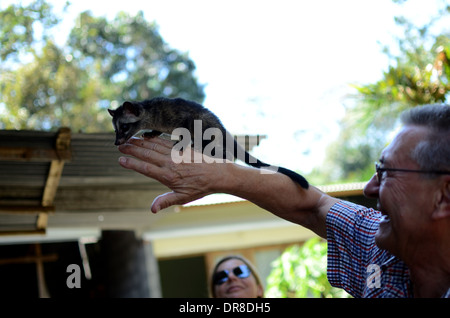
380 171
221 277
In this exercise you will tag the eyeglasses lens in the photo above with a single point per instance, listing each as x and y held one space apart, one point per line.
221 277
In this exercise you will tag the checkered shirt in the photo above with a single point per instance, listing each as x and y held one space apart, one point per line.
355 263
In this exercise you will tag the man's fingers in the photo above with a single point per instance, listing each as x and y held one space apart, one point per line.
163 201
156 144
140 166
155 158
166 200
152 153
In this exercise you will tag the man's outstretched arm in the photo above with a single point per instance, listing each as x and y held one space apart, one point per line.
189 181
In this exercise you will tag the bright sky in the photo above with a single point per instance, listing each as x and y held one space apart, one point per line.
280 68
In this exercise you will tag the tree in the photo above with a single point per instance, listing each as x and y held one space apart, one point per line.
131 57
17 24
50 92
103 64
301 272
418 74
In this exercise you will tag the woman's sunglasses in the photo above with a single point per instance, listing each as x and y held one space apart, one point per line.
221 277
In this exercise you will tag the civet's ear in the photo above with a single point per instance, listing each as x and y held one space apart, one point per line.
111 112
132 108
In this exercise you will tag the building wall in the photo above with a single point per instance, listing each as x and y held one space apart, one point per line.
184 264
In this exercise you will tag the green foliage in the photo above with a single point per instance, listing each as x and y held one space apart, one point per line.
131 57
44 86
418 74
301 272
17 24
418 78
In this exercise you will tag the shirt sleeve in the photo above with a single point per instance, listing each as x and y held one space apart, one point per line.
351 232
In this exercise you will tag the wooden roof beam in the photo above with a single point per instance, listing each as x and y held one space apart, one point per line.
62 145
52 183
17 209
32 154
57 158
62 150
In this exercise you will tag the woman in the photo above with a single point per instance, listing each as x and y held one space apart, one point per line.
235 277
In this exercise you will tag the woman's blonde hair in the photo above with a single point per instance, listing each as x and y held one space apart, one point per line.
227 258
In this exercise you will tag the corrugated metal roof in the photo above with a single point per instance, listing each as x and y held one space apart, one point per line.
347 189
344 189
92 180
95 160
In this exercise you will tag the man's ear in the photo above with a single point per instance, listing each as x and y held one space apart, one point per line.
443 201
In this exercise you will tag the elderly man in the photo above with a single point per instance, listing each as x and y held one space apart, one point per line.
402 250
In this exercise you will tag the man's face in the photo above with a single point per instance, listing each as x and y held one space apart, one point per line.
405 199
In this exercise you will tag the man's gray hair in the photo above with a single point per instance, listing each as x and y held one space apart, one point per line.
433 153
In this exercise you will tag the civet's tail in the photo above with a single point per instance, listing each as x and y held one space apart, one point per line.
254 162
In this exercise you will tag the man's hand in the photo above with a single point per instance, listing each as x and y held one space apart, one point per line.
190 181
153 158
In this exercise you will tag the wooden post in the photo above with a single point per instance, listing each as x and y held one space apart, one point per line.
125 266
42 286
39 259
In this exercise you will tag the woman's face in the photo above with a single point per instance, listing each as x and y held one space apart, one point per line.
235 287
